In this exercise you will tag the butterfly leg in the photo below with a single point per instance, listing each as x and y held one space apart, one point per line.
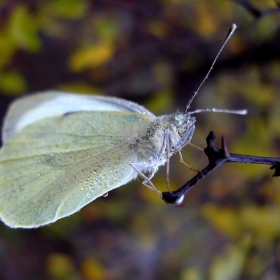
166 149
188 166
196 147
167 144
147 182
185 140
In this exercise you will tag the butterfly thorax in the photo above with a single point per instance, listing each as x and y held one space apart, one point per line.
161 140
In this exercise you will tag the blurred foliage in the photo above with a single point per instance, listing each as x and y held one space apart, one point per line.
155 53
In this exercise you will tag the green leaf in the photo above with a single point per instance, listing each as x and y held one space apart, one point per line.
24 29
12 83
73 9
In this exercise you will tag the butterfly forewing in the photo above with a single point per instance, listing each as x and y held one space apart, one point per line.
53 167
32 108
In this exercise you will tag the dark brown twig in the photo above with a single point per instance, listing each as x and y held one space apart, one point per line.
254 11
216 158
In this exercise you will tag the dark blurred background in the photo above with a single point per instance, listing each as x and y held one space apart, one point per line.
156 53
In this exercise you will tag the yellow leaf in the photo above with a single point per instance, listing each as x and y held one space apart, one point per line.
93 270
60 266
161 102
191 273
264 221
224 219
91 57
263 95
207 22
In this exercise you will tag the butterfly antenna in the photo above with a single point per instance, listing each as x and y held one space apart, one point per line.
230 33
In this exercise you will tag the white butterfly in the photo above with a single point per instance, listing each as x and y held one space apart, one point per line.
61 151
